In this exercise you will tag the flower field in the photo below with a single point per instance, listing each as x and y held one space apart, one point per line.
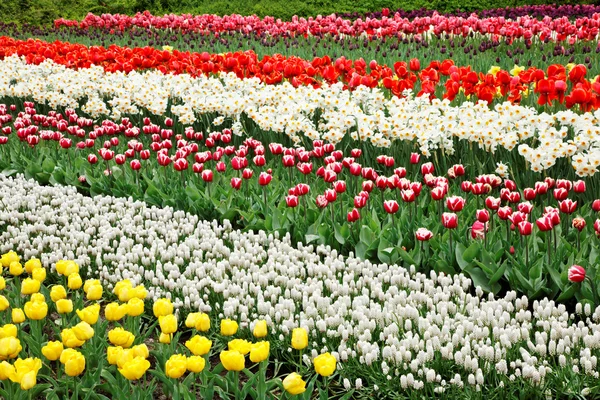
391 205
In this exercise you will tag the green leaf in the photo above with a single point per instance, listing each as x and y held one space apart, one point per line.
499 273
473 251
568 293
48 165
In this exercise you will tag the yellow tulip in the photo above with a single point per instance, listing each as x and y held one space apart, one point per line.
140 292
83 331
115 311
293 384
36 310
32 264
29 286
176 366
203 322
140 350
195 364
324 364
39 274
26 372
89 283
299 338
15 268
58 292
113 353
135 368
2 283
37 298
64 306
6 370
135 307
162 307
89 314
53 350
4 304
67 267
8 258
165 338
8 330
260 329
240 345
74 281
190 321
232 360
121 337
122 284
94 293
259 351
69 339
228 327
168 323
18 315
199 345
10 347
73 361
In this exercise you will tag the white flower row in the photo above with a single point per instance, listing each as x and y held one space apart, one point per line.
328 113
404 325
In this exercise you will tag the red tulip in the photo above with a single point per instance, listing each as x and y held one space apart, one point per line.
492 203
330 195
197 168
544 223
517 217
408 196
579 187
390 206
416 188
221 166
578 223
92 159
168 122
264 178
321 201
478 230
455 203
360 201
238 163
414 64
247 173
381 182
564 184
459 170
65 143
427 168
207 175
367 186
596 205
482 215
550 182
275 148
302 189
510 185
414 158
180 164
514 197
120 159
291 201
355 169
525 207
288 161
423 234
478 189
305 168
353 215
576 273
449 220
597 227
135 165
525 228
437 193
529 194
356 153
567 206
466 186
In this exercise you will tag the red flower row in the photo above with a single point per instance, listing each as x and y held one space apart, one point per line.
586 28
556 84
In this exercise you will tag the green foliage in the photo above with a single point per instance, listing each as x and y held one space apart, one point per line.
42 12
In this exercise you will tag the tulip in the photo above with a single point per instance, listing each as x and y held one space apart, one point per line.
136 368
73 361
36 310
576 273
89 314
525 228
53 350
135 307
32 264
560 193
17 316
115 311
207 175
9 258
74 281
482 215
30 286
390 206
236 183
64 306
544 223
437 193
83 331
408 196
260 329
67 267
195 364
478 230
69 339
165 338
162 307
504 213
39 274
168 323
579 223
10 347
291 201
25 372
427 168
449 220
259 351
293 384
135 165
228 327
423 234
120 337
264 178
492 203
4 304
414 158
321 201
240 345
325 364
455 203
232 360
199 345
596 205
15 268
58 292
567 206
466 186
529 194
353 215
299 338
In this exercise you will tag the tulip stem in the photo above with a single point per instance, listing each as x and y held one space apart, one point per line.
526 251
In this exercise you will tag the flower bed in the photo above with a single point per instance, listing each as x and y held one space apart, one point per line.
387 329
